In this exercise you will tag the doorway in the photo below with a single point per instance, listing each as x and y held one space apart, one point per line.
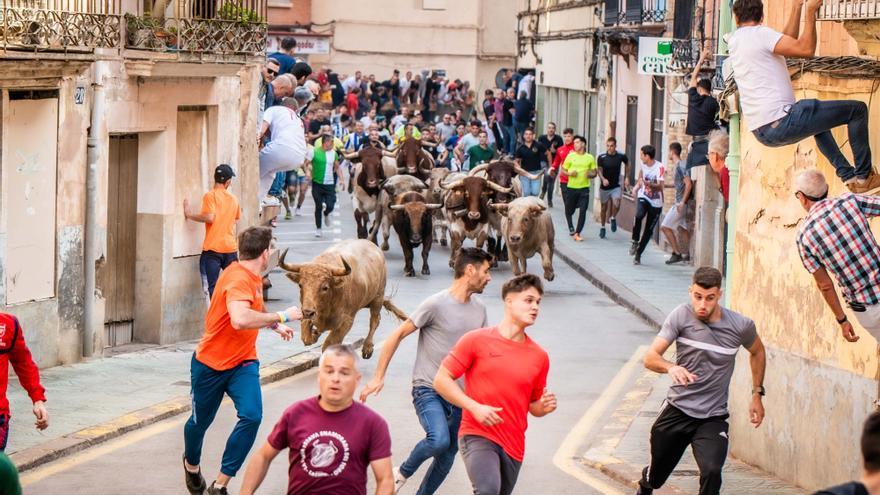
119 273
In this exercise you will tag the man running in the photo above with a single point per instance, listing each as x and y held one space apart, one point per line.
707 337
561 153
225 361
610 164
441 320
482 152
324 164
649 187
14 351
220 211
493 428
530 155
551 142
331 438
675 224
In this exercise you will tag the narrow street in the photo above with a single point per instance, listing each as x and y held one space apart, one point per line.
589 339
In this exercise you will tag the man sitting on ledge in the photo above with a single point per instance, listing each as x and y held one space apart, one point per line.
757 56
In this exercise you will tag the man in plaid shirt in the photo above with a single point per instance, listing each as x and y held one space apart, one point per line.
836 237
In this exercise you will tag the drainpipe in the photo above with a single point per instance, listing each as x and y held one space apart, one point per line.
725 26
91 236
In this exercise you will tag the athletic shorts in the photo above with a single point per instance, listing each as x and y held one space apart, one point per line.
296 177
606 196
676 218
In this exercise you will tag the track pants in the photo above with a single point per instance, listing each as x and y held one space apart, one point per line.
490 469
649 215
670 436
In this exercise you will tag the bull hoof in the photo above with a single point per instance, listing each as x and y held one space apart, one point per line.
451 263
549 276
426 270
410 273
367 350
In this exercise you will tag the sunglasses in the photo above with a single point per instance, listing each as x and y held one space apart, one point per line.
272 72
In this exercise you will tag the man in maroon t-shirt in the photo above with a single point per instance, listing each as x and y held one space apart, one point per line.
332 439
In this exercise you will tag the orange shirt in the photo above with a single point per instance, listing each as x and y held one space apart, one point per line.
486 359
220 234
222 346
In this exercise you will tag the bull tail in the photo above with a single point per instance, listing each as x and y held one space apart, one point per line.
389 306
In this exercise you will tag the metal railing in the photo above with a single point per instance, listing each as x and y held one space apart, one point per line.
848 10
220 27
696 25
635 12
59 25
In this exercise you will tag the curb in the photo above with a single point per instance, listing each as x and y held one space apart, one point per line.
615 290
77 441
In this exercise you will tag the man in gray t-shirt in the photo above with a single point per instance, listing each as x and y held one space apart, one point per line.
707 338
441 320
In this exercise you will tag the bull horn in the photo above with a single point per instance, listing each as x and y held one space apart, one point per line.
452 185
521 171
341 272
460 213
397 207
286 266
401 170
433 206
479 168
495 187
422 185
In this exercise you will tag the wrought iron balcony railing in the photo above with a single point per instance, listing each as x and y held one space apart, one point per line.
59 25
634 12
218 27
849 10
694 28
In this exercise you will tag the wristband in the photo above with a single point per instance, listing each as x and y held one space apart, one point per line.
842 320
282 317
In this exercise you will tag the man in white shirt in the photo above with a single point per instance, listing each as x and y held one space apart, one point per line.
757 56
351 82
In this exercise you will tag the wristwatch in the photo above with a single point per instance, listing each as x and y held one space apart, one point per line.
842 320
759 390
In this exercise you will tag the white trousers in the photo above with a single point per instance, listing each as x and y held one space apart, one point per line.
277 158
870 320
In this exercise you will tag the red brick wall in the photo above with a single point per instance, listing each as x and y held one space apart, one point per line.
299 12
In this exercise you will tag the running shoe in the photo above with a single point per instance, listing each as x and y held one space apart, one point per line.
399 480
270 201
288 216
633 247
298 212
318 233
675 258
637 260
613 225
217 490
602 233
195 483
571 232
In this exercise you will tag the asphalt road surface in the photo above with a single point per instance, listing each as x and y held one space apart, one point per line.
588 337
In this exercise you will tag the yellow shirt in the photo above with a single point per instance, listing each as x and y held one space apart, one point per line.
581 164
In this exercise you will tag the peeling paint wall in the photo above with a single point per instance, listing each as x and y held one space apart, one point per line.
820 387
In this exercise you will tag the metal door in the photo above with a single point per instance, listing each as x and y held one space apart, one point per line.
119 272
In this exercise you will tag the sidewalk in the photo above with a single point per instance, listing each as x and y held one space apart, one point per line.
651 291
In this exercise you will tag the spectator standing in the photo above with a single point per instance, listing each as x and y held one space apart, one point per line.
580 167
835 239
552 142
353 104
268 73
446 128
488 103
610 164
352 82
522 114
649 190
675 224
284 55
332 439
220 211
507 123
482 152
529 155
466 143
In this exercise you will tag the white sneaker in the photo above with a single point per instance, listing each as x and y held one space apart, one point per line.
298 212
399 480
318 233
270 201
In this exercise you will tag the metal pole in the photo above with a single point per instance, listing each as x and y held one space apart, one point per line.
91 236
725 26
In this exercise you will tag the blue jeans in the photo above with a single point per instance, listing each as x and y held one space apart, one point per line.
530 187
509 139
815 118
278 184
440 420
242 385
210 265
520 128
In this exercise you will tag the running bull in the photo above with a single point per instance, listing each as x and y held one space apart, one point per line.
467 210
335 285
411 217
528 230
372 171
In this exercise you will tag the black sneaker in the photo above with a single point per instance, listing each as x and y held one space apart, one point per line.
613 225
195 483
637 260
675 258
686 258
633 248
571 232
217 490
602 233
644 491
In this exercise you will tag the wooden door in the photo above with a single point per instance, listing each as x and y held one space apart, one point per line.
118 287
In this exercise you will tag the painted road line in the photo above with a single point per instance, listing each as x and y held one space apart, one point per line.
566 457
127 440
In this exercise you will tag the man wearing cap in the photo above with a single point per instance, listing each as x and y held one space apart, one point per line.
220 211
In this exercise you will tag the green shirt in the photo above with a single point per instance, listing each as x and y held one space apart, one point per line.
322 166
9 484
581 164
478 155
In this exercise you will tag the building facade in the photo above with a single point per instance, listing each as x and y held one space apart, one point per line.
108 124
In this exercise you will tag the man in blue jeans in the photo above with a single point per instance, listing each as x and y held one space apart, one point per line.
531 155
757 56
441 320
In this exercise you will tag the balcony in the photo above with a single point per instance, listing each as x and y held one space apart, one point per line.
59 25
849 10
694 27
634 12
200 27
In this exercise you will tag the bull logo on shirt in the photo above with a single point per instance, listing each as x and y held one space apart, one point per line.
324 454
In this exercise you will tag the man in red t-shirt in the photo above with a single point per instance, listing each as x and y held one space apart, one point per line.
331 438
492 435
561 153
14 351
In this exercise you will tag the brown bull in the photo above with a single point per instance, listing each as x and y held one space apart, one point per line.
411 218
413 160
434 194
335 285
369 176
391 188
467 210
528 229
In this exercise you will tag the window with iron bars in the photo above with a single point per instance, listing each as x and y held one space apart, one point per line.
634 12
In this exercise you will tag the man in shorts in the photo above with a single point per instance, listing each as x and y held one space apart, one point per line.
610 164
331 439
492 437
707 337
297 187
675 224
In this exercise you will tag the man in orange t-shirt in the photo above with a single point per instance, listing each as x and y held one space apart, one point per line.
225 361
219 213
492 435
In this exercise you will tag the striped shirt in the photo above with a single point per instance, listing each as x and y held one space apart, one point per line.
836 235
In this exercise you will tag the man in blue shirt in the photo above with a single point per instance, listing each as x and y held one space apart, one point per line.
285 56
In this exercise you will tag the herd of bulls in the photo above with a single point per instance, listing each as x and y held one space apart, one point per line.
403 190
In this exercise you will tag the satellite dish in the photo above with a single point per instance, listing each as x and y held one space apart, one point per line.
499 78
